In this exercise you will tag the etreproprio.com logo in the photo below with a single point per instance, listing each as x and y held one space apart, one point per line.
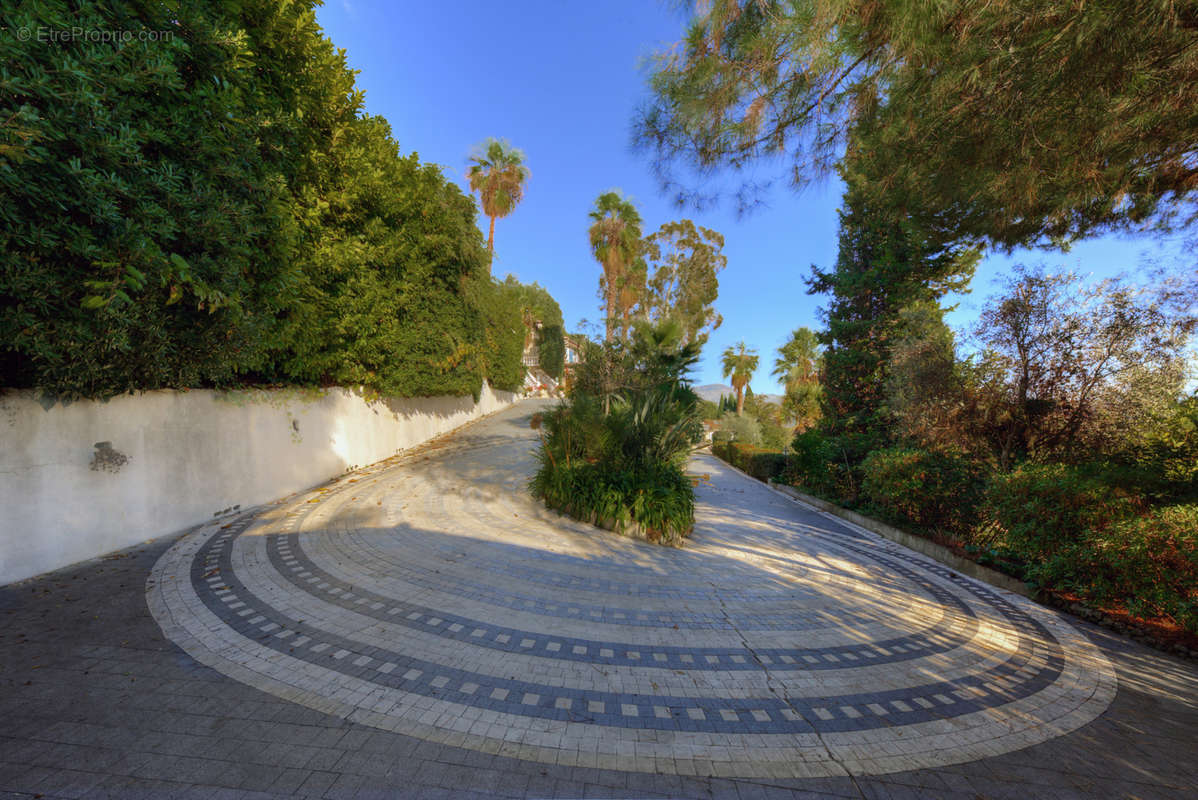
48 35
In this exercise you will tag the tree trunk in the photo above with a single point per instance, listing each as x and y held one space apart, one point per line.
740 401
491 239
613 296
611 320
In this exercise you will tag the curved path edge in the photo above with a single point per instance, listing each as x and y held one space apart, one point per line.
1084 687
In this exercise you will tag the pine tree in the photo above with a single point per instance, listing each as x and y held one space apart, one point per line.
1020 122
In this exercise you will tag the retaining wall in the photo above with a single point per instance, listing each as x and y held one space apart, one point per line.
85 478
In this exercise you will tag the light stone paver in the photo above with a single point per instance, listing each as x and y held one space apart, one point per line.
430 607
763 607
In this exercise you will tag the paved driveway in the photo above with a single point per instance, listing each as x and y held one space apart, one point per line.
422 628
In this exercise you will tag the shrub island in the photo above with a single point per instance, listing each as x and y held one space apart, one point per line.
614 453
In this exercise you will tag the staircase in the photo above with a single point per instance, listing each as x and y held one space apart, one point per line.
538 382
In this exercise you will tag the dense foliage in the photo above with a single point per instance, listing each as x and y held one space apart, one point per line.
1016 122
551 349
1087 530
883 266
935 490
819 466
1075 532
503 337
538 308
763 464
148 234
1163 465
395 296
1044 508
614 455
589 469
208 205
683 263
1061 450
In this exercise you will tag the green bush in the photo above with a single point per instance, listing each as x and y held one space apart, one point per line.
815 467
658 498
624 466
618 457
397 295
766 465
148 234
503 336
760 463
1044 509
1148 563
930 489
1078 534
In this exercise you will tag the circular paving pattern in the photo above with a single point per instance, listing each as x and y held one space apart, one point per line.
429 595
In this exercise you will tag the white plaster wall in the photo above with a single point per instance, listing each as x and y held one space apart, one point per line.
190 455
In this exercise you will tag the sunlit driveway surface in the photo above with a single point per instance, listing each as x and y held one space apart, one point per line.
434 598
423 628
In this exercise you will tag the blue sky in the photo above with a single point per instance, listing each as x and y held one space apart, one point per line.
561 81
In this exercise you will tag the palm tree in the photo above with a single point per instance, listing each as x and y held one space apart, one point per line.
615 240
798 367
498 174
798 359
739 362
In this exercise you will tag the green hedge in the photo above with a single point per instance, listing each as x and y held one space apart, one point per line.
209 206
396 293
933 490
148 233
762 464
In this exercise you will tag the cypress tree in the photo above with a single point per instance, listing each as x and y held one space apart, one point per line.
885 263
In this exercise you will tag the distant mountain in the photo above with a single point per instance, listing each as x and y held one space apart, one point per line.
713 391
